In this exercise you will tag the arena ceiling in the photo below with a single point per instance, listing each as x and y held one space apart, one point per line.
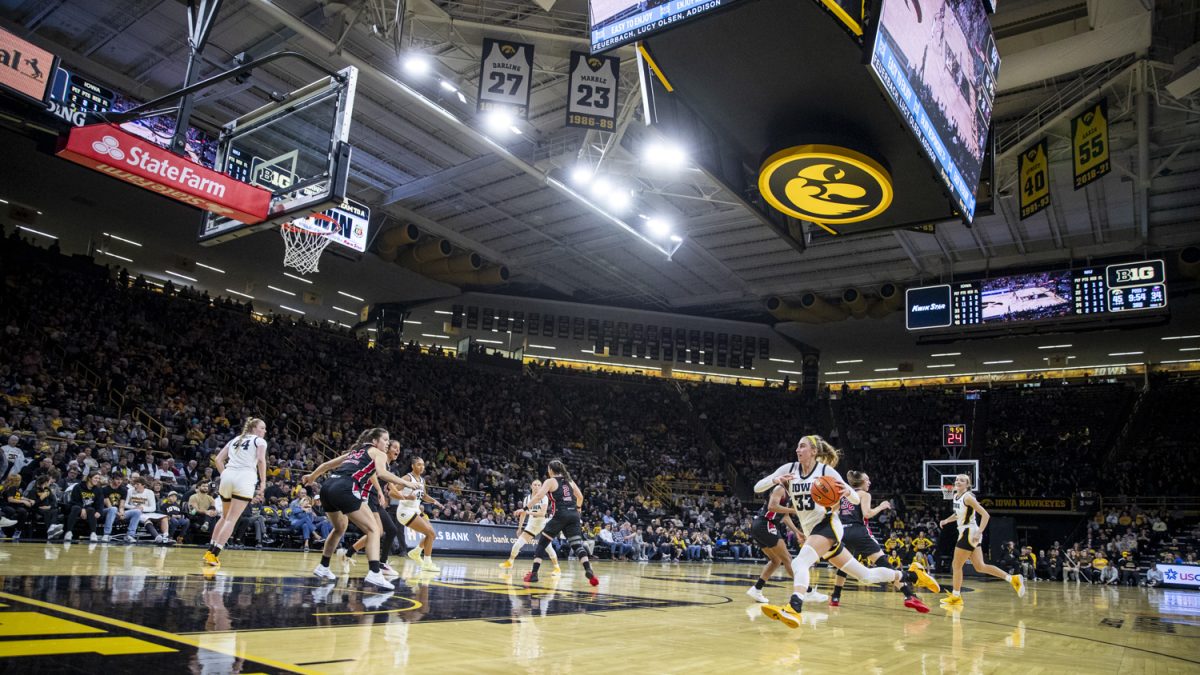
413 165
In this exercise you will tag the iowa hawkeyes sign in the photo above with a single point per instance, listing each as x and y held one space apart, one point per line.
825 184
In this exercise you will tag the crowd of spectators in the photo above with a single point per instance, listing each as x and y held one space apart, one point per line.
106 380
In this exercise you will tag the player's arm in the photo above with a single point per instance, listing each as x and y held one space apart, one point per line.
791 525
382 472
868 510
394 492
779 477
379 491
261 459
984 517
324 469
578 494
948 519
774 504
544 490
430 500
223 455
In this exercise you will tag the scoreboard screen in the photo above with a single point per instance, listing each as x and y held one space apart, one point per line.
617 22
1043 296
954 435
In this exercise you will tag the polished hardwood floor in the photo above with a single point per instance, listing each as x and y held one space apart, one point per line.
116 608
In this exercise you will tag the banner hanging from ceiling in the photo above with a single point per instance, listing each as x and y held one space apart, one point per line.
1033 173
592 91
505 77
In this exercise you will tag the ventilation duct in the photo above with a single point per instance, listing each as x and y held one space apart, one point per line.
391 241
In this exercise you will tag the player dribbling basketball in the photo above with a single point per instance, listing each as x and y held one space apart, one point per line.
972 520
815 458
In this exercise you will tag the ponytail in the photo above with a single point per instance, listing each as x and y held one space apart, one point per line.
370 436
826 453
559 468
251 422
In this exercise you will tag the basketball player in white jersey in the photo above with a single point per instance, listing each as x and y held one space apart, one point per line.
241 463
823 530
533 521
410 514
972 519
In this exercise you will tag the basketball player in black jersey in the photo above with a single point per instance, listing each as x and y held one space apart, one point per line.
344 494
767 530
858 540
378 502
565 498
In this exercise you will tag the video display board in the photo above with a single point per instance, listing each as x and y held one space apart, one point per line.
938 63
1040 296
617 22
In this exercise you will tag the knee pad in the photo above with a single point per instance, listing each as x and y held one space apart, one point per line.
842 574
576 544
806 558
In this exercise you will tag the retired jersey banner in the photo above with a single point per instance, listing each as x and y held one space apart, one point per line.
1034 174
1089 144
592 97
505 75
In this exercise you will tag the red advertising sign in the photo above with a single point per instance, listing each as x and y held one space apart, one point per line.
110 150
25 67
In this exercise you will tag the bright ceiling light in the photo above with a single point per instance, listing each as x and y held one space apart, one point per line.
946 354
659 227
940 365
447 85
182 276
1055 346
665 154
1126 353
352 297
345 311
285 292
416 64
780 360
291 309
210 267
849 361
462 98
676 238
996 363
620 200
581 175
515 130
293 276
118 257
601 187
442 311
886 370
498 121
1182 337
230 290
39 233
837 372
435 335
127 241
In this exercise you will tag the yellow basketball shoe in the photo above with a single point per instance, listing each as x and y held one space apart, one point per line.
506 565
783 614
210 559
923 579
1018 584
427 565
414 554
556 571
952 600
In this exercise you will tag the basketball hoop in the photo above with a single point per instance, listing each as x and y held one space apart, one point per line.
304 239
948 492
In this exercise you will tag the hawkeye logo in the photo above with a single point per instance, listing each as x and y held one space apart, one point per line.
507 49
594 63
825 184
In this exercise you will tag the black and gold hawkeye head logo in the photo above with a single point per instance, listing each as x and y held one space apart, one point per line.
594 62
507 49
825 184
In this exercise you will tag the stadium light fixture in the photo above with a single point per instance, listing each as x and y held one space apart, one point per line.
940 365
498 121
659 227
127 241
293 276
946 354
665 155
837 372
1056 346
1183 337
417 64
581 175
443 311
282 290
121 257
291 309
996 363
208 267
1126 353
182 276
352 297
848 361
447 85
344 311
39 233
244 295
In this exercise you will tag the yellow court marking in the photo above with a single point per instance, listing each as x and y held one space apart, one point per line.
415 606
198 644
105 646
17 624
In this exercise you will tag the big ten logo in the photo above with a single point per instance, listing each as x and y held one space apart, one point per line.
1130 274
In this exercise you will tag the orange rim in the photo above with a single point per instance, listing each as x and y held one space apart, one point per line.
291 226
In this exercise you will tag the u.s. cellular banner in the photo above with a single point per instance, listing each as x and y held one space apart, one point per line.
117 153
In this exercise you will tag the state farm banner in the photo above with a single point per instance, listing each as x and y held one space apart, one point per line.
113 151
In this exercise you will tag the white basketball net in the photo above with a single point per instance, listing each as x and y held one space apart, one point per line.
303 241
947 492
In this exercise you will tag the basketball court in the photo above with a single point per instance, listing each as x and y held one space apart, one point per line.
125 608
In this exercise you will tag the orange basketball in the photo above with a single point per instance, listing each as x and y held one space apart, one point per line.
825 491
